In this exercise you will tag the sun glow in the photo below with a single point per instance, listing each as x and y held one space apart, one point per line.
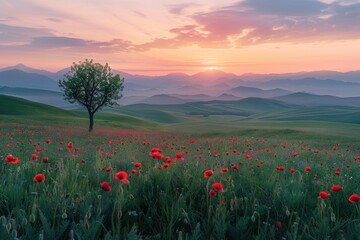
211 68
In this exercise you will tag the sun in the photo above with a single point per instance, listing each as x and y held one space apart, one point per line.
210 68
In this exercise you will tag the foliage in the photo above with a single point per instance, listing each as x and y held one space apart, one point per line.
92 85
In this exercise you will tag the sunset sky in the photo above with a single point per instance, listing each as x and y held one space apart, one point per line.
161 36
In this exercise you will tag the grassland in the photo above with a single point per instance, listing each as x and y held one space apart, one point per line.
272 173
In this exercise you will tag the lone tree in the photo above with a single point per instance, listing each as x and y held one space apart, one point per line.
92 85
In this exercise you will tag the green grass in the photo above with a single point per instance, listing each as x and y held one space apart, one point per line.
173 202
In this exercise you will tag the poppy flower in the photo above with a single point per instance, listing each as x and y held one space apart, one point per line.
105 186
218 187
324 195
354 198
34 157
45 159
178 155
335 188
307 169
137 165
224 170
212 193
165 165
11 159
39 177
121 175
280 168
208 173
70 145
133 171
292 170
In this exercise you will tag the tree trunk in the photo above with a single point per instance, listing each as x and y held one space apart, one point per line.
91 118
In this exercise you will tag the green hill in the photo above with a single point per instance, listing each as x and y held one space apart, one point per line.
16 109
17 106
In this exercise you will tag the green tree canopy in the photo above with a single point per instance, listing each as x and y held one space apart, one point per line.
93 86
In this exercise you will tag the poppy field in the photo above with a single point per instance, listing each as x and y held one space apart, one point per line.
64 183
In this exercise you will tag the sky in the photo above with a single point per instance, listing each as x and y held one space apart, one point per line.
163 36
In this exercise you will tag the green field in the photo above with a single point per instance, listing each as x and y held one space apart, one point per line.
273 161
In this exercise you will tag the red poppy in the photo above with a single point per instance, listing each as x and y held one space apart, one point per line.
133 171
70 145
34 157
236 167
212 193
307 169
105 186
121 175
48 141
178 155
218 187
165 165
11 159
280 168
208 173
292 170
324 195
224 170
45 159
354 198
137 165
335 188
39 177
108 169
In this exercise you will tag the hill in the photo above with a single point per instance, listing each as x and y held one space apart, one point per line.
17 109
307 99
37 95
18 78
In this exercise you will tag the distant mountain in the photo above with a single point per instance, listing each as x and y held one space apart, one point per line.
227 97
41 96
18 78
162 99
307 99
352 76
211 76
315 86
244 92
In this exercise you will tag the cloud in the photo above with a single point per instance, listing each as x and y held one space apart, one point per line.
12 35
179 9
14 38
57 20
252 22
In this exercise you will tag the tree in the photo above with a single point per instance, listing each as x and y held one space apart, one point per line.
93 86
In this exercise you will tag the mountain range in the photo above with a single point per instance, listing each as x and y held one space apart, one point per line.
305 88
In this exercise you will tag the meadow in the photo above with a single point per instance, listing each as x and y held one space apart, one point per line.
191 178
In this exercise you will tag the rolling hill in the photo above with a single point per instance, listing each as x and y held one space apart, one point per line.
18 78
41 96
307 99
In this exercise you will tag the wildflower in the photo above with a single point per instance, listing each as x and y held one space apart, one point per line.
137 165
105 186
121 175
335 188
292 170
354 198
280 168
70 145
307 169
218 187
224 170
45 159
34 157
212 193
208 173
11 159
324 195
39 177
